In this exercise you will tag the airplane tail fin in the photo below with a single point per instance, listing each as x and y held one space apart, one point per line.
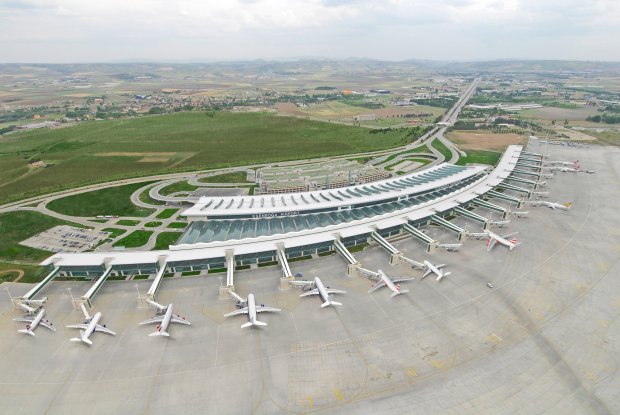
160 333
568 205
442 276
253 323
259 323
330 302
26 331
394 294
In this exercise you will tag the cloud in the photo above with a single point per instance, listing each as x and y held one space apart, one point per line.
68 30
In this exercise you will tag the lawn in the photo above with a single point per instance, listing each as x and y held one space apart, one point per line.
181 186
127 222
152 224
166 213
234 177
20 225
164 239
110 201
134 239
480 157
114 232
32 273
178 225
442 149
100 151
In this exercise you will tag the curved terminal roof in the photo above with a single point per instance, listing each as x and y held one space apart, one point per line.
389 215
330 199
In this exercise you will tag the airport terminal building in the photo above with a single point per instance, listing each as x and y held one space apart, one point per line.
240 231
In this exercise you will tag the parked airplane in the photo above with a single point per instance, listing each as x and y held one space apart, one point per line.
435 269
250 309
90 325
495 238
500 223
392 284
552 205
164 320
317 288
563 163
33 322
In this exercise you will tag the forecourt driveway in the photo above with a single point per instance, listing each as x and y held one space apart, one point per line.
544 340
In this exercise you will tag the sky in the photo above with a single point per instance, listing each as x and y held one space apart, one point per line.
59 31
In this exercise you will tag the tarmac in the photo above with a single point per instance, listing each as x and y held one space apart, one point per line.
545 339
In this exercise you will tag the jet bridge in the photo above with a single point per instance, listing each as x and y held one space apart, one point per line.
530 159
520 180
536 155
354 267
461 233
467 213
491 206
158 278
526 173
430 242
287 274
230 271
395 254
27 301
503 196
509 186
528 166
89 296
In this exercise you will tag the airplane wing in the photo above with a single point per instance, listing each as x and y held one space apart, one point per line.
104 330
243 310
47 324
334 291
509 235
440 266
154 320
311 292
77 326
179 319
402 280
260 309
428 271
491 243
25 319
376 286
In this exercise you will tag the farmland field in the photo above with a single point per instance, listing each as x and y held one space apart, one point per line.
101 151
484 140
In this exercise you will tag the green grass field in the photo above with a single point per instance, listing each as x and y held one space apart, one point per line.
114 232
32 273
181 186
110 201
234 177
164 239
177 225
101 151
127 222
442 149
20 225
134 239
153 224
480 157
166 213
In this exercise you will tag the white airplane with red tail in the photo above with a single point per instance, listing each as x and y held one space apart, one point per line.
393 284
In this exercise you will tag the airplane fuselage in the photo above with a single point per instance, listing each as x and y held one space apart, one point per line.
251 308
163 327
36 321
433 268
388 282
92 325
501 240
321 288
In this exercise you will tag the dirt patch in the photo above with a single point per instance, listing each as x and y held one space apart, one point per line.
154 160
20 273
289 108
560 114
484 140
